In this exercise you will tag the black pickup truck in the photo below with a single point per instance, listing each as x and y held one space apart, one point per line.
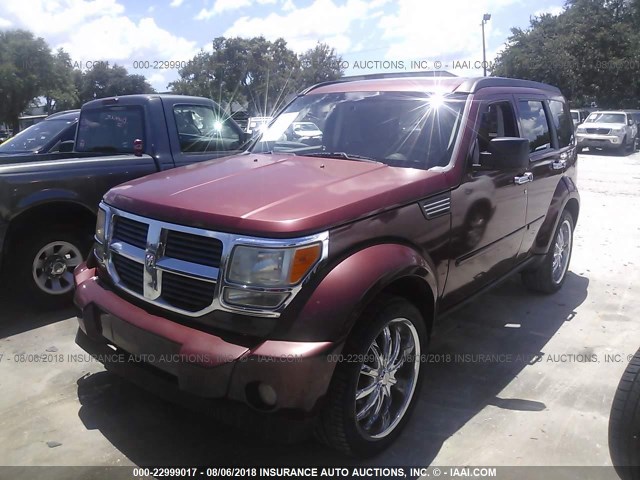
48 202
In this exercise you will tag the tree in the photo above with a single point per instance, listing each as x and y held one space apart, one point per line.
320 64
589 51
62 92
25 66
255 72
103 80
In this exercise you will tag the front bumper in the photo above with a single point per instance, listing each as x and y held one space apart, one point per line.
197 362
599 141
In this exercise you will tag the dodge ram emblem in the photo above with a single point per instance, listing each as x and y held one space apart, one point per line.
151 273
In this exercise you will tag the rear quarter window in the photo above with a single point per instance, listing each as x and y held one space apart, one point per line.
110 129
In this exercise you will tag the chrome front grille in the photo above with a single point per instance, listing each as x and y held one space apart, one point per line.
171 266
180 268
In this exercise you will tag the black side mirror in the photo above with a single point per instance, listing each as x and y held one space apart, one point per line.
66 146
506 153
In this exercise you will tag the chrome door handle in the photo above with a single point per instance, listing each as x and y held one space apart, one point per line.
525 178
559 164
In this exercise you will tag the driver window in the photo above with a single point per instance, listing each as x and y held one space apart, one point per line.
497 121
200 129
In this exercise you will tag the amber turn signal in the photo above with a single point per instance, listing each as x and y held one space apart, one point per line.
303 260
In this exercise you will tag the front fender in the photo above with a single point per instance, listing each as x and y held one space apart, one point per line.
565 196
338 300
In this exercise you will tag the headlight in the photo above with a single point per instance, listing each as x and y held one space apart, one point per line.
581 130
272 267
100 225
618 130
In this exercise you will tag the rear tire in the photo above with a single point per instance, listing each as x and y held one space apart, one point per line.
549 276
624 423
43 266
381 361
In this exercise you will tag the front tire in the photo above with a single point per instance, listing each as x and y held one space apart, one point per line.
624 423
549 276
374 387
44 266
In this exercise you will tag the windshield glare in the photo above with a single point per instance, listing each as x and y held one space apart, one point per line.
35 137
606 118
414 130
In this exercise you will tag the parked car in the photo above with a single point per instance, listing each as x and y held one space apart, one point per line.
46 136
256 124
48 206
340 257
610 130
579 115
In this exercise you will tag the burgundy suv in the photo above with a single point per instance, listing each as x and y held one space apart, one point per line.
307 278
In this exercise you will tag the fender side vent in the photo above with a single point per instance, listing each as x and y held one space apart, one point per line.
436 206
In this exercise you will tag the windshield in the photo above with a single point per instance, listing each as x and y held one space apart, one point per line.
414 130
35 137
606 118
110 129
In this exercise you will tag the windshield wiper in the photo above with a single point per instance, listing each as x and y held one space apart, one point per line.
345 155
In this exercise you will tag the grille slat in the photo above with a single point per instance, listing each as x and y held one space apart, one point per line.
131 273
187 293
193 248
130 231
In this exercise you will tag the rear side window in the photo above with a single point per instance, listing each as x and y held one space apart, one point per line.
562 121
200 129
110 129
535 125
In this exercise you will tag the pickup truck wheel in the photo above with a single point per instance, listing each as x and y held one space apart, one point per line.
44 266
375 384
624 423
550 275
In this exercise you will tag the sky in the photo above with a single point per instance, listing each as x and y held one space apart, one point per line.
153 38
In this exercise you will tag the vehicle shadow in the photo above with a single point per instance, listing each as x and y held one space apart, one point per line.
474 355
18 315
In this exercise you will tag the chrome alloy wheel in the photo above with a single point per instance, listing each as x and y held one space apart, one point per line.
387 378
53 266
561 252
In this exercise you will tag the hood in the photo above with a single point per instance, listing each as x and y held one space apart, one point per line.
602 125
273 194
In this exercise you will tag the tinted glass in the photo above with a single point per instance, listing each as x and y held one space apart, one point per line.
562 121
34 137
110 129
400 129
200 129
535 126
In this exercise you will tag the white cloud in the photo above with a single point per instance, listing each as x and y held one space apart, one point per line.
555 10
98 30
4 23
222 6
176 3
302 28
288 5
433 31
158 81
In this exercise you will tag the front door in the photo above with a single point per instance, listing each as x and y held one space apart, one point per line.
488 211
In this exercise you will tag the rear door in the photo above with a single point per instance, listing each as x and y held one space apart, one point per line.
548 126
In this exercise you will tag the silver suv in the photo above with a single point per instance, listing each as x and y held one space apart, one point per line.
613 130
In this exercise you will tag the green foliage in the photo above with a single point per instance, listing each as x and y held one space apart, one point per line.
255 72
590 51
29 70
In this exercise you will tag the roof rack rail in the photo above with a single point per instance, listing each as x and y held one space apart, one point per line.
379 76
472 85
